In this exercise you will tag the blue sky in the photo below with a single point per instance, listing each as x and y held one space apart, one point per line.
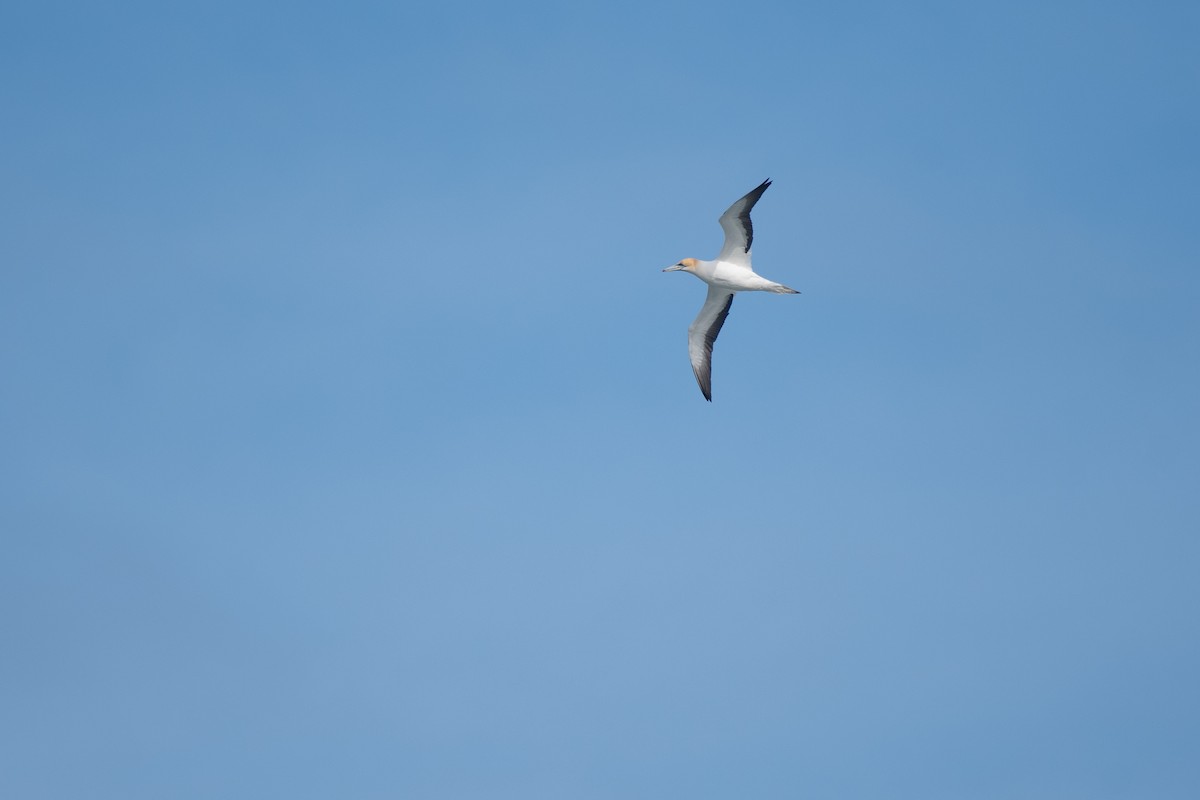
351 449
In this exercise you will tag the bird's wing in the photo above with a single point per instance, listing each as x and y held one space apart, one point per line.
703 332
739 233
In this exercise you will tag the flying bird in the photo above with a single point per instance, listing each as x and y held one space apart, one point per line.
728 274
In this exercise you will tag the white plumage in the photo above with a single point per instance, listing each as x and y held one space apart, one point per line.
728 274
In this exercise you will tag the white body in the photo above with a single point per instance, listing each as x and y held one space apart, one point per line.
727 274
736 276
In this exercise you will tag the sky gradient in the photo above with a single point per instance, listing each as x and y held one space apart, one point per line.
351 449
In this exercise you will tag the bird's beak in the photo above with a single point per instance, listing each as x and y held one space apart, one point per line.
672 269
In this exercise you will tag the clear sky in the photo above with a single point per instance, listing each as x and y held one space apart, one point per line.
349 446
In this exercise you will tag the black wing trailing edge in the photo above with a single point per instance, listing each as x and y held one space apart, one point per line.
743 207
703 370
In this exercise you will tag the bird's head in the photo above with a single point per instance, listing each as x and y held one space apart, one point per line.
687 265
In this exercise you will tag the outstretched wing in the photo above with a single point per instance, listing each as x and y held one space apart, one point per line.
703 332
739 233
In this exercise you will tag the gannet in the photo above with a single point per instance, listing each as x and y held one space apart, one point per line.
728 274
